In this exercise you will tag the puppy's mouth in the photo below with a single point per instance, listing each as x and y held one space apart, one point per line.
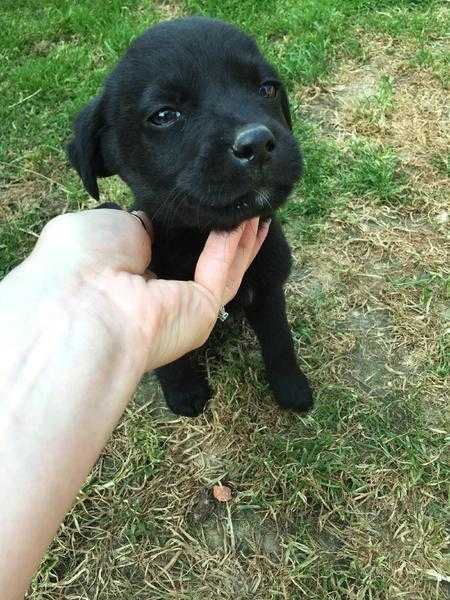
226 212
257 202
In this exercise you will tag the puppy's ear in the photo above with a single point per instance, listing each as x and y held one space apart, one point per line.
85 150
285 108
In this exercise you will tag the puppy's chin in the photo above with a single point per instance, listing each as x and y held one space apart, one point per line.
228 213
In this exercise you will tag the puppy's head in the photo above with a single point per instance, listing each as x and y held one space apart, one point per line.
196 122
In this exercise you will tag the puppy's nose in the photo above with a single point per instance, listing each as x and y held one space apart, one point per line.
254 144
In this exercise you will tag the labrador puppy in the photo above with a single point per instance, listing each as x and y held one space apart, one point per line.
197 123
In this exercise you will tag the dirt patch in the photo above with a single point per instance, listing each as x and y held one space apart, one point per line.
372 365
19 196
45 47
390 102
26 204
245 531
168 9
372 299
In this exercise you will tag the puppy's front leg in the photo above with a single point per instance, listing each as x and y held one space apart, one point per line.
267 316
185 386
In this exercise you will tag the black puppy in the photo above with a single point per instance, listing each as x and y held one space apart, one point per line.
197 123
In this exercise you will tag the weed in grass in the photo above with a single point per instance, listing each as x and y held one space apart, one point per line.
373 173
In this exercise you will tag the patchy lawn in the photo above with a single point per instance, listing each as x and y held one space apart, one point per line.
350 500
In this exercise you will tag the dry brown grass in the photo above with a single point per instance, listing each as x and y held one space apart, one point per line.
17 196
26 202
385 270
412 116
170 9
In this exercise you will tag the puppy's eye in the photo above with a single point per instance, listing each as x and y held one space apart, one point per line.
164 117
268 90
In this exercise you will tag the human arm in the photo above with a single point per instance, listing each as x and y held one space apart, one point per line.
80 324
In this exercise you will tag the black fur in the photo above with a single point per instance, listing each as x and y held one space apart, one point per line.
190 180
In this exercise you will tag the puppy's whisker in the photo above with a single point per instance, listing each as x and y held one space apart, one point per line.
263 198
176 204
161 209
170 207
165 209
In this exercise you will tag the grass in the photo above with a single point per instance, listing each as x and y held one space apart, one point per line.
350 500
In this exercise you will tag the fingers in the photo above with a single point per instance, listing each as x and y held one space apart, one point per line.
251 241
242 259
260 237
216 259
247 249
227 256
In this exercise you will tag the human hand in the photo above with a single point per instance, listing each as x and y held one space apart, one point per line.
80 323
99 259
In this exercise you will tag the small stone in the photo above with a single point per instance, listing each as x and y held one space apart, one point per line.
222 493
442 217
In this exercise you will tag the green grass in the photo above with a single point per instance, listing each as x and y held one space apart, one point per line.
349 501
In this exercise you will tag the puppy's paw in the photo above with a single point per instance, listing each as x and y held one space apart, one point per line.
292 391
190 401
